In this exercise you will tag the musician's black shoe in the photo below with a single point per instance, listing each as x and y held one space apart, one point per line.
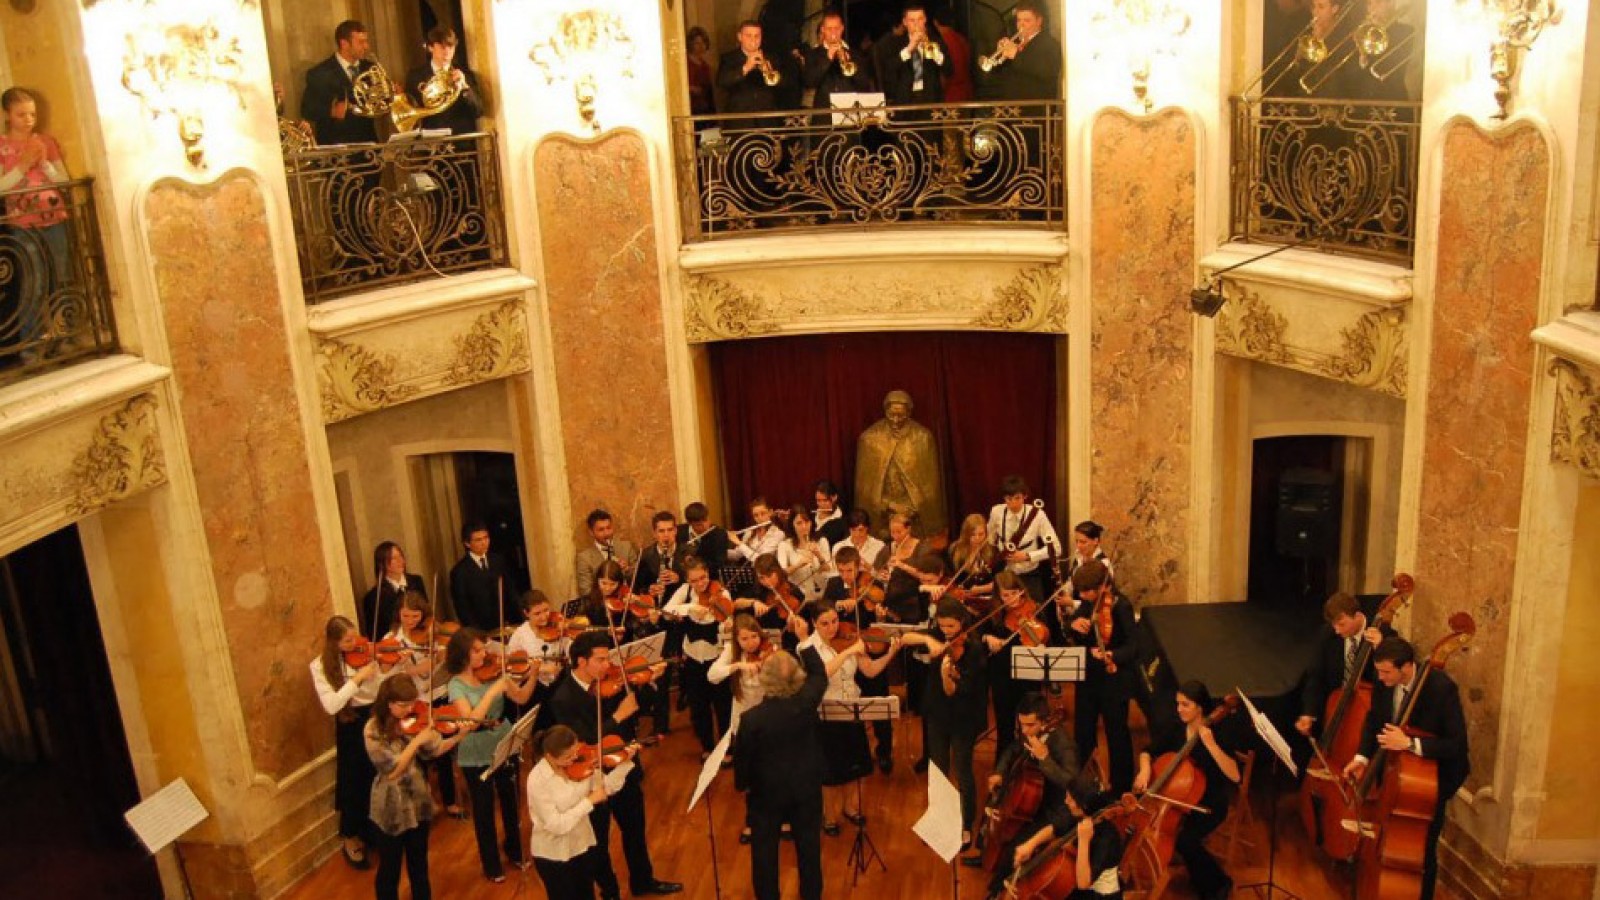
920 766
831 829
886 765
972 860
856 819
656 888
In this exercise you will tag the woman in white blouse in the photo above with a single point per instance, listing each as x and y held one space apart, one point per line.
709 702
843 743
740 663
347 693
805 555
564 850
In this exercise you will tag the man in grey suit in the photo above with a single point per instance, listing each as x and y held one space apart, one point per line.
603 546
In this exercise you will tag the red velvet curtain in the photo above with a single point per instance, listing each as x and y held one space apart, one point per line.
789 411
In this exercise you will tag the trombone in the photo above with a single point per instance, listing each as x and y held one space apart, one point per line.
992 61
1378 56
1306 47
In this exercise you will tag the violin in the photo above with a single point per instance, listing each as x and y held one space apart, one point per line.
612 752
490 670
360 655
518 664
876 640
558 627
762 653
443 632
422 717
784 602
717 601
388 651
635 672
1102 625
1023 622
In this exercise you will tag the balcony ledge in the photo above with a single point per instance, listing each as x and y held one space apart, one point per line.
1378 284
939 244
43 400
1575 336
417 300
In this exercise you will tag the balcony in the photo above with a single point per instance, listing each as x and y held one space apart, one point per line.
55 304
378 215
908 166
1342 172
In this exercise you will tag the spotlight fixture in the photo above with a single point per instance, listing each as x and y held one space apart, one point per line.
1207 299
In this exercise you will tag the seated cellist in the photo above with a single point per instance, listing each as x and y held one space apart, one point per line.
1096 870
1056 758
1437 712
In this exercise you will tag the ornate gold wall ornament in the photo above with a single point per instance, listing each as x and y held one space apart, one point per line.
716 311
183 68
123 458
585 47
496 346
1374 354
356 380
1249 327
1575 430
1032 301
1137 31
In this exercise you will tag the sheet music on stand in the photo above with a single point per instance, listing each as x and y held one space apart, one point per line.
858 108
649 648
862 709
1049 664
512 742
1269 733
164 816
739 577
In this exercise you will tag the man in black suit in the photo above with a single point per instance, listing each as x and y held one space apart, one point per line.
461 117
660 573
780 766
703 539
913 62
1032 66
740 74
326 101
825 64
572 704
1337 651
478 584
1437 712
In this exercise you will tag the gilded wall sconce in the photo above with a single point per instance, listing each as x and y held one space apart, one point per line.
1515 25
179 70
587 49
1135 31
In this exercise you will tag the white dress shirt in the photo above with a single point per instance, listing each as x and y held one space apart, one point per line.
684 605
559 810
1002 522
348 694
750 692
813 574
842 683
539 650
769 542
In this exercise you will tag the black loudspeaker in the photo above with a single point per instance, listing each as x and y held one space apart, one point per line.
1307 514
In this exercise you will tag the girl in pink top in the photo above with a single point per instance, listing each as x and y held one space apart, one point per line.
35 220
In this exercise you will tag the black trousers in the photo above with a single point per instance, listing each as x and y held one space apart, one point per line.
1430 856
1205 873
571 879
916 684
1007 694
950 748
767 817
627 808
1100 697
710 705
352 773
502 784
413 847
882 730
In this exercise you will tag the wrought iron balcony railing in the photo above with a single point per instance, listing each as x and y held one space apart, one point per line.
1342 171
905 165
55 304
378 215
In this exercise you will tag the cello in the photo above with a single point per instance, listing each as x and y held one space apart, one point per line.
1014 801
1324 800
1177 789
1393 825
1052 873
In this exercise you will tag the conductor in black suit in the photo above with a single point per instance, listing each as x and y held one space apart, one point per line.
780 766
572 704
1436 712
326 101
913 62
461 117
1032 61
1337 650
483 597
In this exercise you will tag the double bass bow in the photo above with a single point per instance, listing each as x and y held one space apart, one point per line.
1325 801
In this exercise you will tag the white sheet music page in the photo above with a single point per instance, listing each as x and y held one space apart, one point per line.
164 816
712 765
940 826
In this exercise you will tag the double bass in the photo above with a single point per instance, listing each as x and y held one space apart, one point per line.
1394 820
1324 800
1014 801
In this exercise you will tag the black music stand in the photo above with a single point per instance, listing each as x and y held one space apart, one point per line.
861 711
1049 665
900 630
1281 758
509 750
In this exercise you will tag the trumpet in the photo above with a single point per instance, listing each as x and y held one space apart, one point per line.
847 66
929 50
992 61
768 74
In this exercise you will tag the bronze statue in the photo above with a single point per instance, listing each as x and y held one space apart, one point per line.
897 470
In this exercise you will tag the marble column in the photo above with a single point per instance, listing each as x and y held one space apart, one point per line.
1141 258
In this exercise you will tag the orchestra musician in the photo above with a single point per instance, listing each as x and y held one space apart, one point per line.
903 596
739 667
422 655
954 702
347 693
1213 754
1024 535
461 117
844 744
806 558
830 520
824 73
974 559
913 62
1095 874
1032 66
572 703
1437 712
389 564
1086 536
547 652
704 539
604 547
478 584
1104 620
481 702
401 807
661 571
565 852
1005 692
326 101
780 766
775 589
859 535
743 74
852 592
760 538
710 703
1046 747
1336 654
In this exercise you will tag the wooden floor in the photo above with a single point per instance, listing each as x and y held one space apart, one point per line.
681 847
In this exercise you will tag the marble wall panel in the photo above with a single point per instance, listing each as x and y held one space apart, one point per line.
210 251
606 327
1491 244
1141 262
